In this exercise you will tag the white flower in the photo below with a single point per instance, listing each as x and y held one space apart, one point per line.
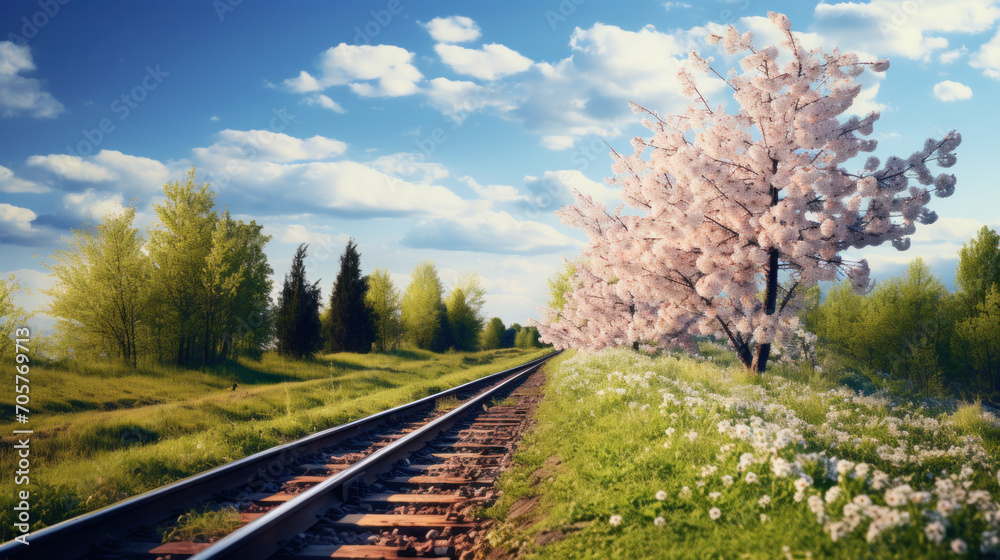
661 495
862 501
844 467
764 501
801 484
935 532
715 496
764 518
727 480
615 520
685 492
670 431
958 546
832 494
751 478
659 522
692 435
714 513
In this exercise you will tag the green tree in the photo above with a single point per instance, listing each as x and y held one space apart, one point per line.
492 334
464 306
422 308
12 316
978 268
979 337
238 289
297 319
348 322
179 246
100 292
383 300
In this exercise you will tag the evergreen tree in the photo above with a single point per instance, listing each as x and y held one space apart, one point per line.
348 322
492 335
297 315
422 310
383 300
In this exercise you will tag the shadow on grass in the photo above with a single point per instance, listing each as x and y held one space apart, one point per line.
409 355
246 375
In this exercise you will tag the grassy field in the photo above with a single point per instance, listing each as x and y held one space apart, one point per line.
634 457
103 433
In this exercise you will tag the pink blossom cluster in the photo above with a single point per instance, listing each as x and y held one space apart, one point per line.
739 213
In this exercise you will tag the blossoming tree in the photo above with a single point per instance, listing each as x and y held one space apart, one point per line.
738 213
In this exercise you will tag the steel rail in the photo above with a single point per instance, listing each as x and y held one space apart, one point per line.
260 538
73 537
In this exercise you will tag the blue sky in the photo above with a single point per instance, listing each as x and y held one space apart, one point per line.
448 131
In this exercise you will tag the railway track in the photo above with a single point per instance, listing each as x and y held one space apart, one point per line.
284 491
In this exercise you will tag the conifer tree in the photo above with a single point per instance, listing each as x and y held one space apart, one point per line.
297 319
348 322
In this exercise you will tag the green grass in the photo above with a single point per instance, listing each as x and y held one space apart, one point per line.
600 449
103 433
204 525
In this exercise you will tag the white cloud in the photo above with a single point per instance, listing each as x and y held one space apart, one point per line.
951 91
214 118
489 232
454 29
74 168
494 193
901 27
358 66
91 205
16 226
324 102
490 62
110 167
410 166
264 145
456 99
10 183
296 234
987 58
556 188
557 142
948 57
671 5
20 96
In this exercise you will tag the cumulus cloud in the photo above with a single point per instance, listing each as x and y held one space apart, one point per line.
20 96
110 168
410 166
487 63
494 193
17 227
951 91
454 29
987 58
73 168
264 145
92 205
898 27
556 188
456 99
557 142
369 70
325 102
489 232
10 183
296 234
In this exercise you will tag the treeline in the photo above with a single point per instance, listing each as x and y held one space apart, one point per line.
913 331
197 290
368 313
